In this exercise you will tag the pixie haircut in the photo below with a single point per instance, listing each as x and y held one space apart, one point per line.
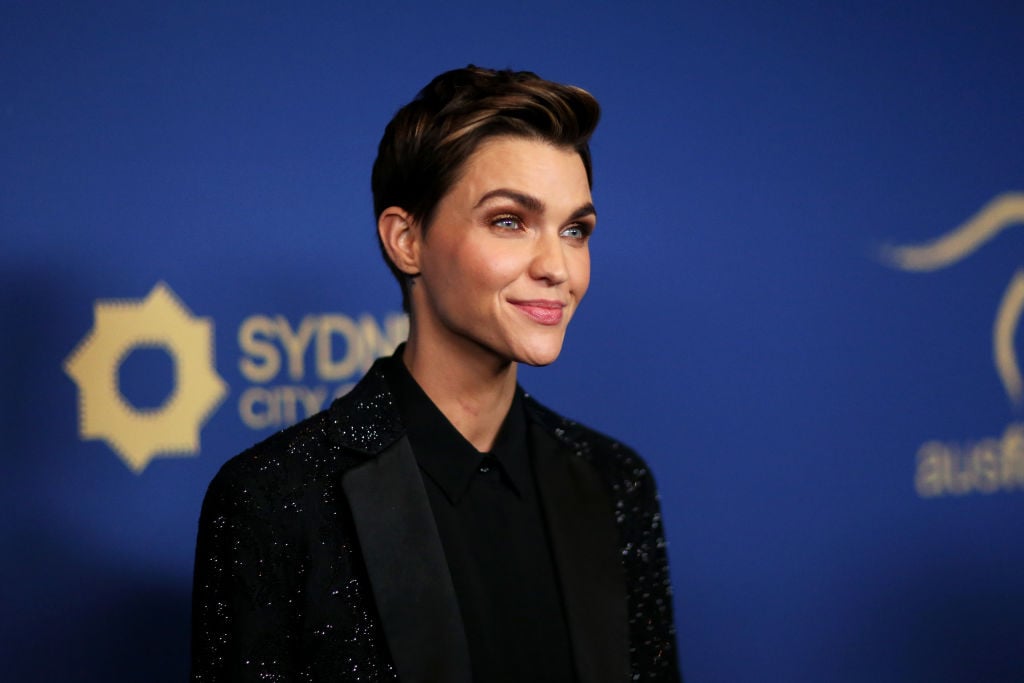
426 145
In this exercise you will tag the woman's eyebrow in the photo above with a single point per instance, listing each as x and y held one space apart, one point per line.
525 200
533 203
585 210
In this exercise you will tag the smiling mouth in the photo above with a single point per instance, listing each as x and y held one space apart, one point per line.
543 312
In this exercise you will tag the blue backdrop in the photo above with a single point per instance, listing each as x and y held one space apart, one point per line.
189 263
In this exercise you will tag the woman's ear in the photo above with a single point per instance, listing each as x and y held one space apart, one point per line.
401 239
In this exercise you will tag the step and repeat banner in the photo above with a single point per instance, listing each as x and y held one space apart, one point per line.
808 281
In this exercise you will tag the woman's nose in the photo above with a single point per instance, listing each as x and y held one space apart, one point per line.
549 262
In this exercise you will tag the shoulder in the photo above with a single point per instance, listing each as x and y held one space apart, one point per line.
276 468
313 453
617 463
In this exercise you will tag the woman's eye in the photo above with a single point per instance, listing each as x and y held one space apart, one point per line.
507 223
576 232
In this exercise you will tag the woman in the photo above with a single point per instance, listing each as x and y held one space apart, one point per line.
436 523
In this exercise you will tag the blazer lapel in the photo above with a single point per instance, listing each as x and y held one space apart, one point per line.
408 572
586 548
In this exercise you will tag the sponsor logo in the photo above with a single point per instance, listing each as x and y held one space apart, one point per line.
993 464
160 321
292 371
295 370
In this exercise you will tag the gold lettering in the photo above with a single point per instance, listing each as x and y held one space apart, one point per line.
327 368
313 399
288 396
1013 457
262 362
262 407
258 396
988 466
960 480
932 462
295 343
984 465
379 343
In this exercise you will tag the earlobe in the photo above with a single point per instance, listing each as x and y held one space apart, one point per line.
400 236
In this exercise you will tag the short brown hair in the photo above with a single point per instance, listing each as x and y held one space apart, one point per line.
427 143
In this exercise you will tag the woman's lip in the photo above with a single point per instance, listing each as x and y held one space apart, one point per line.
544 312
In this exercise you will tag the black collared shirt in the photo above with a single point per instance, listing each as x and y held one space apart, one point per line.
491 524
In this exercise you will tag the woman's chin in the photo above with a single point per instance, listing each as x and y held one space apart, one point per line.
539 356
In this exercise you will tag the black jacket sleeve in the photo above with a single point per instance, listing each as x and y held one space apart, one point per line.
245 595
645 558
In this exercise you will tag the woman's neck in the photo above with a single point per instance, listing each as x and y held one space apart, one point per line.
469 385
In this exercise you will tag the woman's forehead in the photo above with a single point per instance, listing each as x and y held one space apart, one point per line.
530 172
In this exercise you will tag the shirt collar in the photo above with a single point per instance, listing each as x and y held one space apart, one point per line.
442 452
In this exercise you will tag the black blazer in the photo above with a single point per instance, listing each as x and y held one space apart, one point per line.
318 558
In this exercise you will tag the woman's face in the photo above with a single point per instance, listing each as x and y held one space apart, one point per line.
505 262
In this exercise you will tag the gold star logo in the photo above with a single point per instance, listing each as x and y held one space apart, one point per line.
160 320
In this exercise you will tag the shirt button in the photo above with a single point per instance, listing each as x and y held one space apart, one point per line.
485 468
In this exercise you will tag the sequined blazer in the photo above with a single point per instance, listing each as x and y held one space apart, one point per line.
318 558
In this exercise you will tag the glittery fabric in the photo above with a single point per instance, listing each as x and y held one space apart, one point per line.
280 589
652 647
